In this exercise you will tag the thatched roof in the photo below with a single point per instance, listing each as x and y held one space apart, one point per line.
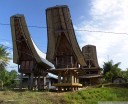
37 54
58 22
90 54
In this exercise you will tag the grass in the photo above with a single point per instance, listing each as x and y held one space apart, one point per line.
92 96
88 96
30 97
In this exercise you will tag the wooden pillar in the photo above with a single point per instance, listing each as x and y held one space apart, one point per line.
21 81
59 88
90 81
28 82
76 88
65 89
71 78
56 61
31 81
77 79
44 82
68 88
59 77
71 61
35 83
38 82
72 88
64 79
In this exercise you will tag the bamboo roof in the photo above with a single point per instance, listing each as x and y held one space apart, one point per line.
90 55
59 22
37 54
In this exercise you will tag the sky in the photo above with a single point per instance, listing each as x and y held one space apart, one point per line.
95 17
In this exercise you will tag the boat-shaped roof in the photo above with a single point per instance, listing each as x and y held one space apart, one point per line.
37 54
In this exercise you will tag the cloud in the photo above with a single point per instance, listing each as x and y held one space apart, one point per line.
5 43
107 15
11 65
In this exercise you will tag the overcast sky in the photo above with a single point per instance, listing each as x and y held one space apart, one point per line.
91 15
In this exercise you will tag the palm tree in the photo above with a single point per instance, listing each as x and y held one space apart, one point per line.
111 70
4 60
4 57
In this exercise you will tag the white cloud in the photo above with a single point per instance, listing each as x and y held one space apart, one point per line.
107 15
12 66
6 43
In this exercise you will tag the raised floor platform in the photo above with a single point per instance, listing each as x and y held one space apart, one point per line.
68 84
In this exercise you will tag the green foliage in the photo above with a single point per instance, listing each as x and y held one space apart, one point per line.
7 78
4 57
111 70
125 74
92 96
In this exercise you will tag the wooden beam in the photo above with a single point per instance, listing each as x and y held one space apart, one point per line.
21 79
67 84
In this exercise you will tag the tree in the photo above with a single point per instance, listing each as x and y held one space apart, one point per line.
3 77
7 78
111 70
11 76
4 57
125 74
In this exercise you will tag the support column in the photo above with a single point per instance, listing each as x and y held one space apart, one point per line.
64 79
28 82
44 82
35 83
56 61
71 61
71 78
75 79
31 81
72 88
65 89
59 80
90 81
38 83
59 77
21 79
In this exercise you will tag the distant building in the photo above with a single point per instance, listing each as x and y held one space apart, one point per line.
92 72
46 82
50 80
118 80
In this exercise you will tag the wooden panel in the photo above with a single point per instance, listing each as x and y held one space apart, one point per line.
67 84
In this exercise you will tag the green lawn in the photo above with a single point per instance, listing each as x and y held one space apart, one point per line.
92 96
88 96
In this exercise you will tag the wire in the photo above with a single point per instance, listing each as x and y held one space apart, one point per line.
110 32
